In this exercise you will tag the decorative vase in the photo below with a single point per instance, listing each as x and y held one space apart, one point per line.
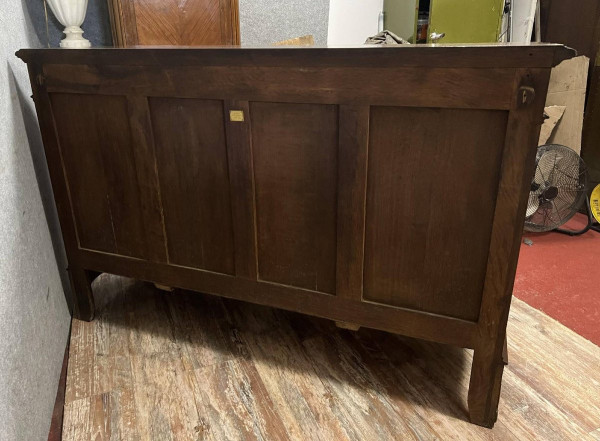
71 13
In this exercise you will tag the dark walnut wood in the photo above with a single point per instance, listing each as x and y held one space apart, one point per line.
377 187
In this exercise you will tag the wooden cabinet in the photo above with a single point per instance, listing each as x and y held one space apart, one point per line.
380 187
174 22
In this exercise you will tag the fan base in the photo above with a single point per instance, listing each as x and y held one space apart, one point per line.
591 225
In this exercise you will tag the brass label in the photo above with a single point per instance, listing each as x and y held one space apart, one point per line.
236 115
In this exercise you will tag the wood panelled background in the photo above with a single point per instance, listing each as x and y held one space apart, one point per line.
288 155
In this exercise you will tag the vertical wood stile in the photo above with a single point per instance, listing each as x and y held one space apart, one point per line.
53 157
239 156
517 169
352 185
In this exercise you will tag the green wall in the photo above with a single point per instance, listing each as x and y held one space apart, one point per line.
466 21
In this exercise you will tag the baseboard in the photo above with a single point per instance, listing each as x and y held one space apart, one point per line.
55 433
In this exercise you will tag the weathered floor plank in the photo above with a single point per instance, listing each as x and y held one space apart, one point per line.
186 366
235 404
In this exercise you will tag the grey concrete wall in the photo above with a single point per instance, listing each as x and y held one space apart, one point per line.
264 22
34 318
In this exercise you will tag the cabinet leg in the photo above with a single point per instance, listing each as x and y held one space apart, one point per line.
484 387
505 351
81 284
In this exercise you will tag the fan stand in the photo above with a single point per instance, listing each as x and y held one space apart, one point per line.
591 225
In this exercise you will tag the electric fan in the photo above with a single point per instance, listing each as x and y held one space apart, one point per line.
557 190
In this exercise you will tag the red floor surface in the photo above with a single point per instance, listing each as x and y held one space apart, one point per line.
560 275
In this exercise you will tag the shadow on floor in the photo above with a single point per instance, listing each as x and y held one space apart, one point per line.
387 369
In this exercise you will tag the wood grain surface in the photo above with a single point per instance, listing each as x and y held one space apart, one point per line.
296 187
174 22
194 181
185 366
431 188
422 55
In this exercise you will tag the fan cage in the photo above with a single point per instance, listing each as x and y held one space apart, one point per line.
558 188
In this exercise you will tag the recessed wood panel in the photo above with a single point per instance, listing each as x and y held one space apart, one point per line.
194 182
101 168
295 167
431 192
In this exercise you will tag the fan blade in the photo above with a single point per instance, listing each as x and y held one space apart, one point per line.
532 206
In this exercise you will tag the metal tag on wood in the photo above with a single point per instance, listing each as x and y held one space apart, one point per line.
236 115
526 95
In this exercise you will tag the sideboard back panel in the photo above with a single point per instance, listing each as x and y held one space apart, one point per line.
191 158
98 157
377 187
295 167
431 194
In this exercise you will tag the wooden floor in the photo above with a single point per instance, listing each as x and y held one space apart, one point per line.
185 366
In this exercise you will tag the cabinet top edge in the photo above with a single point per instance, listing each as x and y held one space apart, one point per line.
500 55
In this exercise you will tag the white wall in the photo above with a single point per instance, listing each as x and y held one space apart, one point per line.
34 319
352 21
523 15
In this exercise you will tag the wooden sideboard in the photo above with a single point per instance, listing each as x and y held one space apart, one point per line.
382 187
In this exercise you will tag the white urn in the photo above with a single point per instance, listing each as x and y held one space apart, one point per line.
71 13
